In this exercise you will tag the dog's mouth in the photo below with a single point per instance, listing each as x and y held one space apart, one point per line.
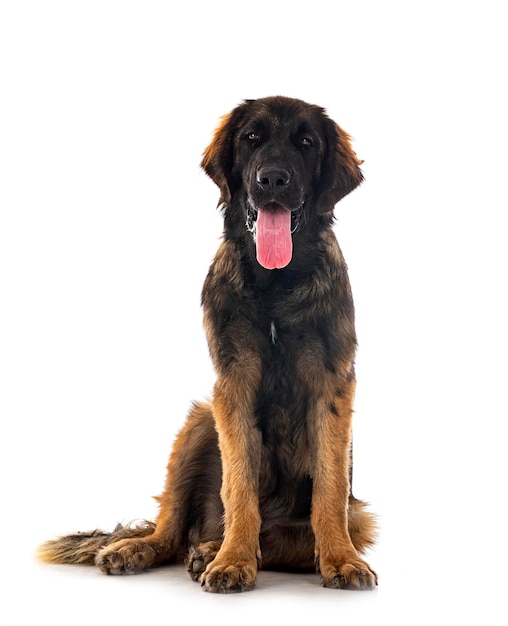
272 227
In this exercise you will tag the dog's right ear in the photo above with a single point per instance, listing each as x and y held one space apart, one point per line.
218 158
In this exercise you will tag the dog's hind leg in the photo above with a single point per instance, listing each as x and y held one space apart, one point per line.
193 473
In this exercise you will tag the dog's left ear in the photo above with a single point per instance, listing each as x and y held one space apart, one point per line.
340 172
218 158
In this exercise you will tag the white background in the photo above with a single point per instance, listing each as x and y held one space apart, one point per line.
107 230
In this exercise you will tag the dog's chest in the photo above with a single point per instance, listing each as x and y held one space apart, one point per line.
281 408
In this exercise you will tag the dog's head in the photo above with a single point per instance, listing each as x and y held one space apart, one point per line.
285 161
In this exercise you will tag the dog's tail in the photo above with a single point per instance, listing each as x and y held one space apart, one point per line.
82 548
362 525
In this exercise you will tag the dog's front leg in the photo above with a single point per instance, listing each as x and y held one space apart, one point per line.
235 566
337 558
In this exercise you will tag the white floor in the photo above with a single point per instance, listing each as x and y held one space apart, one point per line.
418 584
59 595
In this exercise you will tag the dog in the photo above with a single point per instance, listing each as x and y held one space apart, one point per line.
261 475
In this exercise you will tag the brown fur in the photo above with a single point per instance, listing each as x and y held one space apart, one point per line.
262 473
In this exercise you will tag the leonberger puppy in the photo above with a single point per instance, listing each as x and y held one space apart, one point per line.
260 476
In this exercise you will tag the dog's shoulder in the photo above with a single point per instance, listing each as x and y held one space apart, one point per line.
225 275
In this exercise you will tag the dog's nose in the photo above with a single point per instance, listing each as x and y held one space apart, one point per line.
273 179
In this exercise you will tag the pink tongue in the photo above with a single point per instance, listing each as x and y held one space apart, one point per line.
273 236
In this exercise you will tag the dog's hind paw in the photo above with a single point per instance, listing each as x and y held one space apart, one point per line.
200 556
128 556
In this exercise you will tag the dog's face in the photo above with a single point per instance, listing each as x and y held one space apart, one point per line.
285 162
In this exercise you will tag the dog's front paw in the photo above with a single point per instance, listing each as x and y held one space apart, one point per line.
229 575
352 574
128 556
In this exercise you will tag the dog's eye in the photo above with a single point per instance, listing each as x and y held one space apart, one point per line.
306 141
252 136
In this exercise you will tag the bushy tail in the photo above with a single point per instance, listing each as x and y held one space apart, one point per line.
362 525
81 548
